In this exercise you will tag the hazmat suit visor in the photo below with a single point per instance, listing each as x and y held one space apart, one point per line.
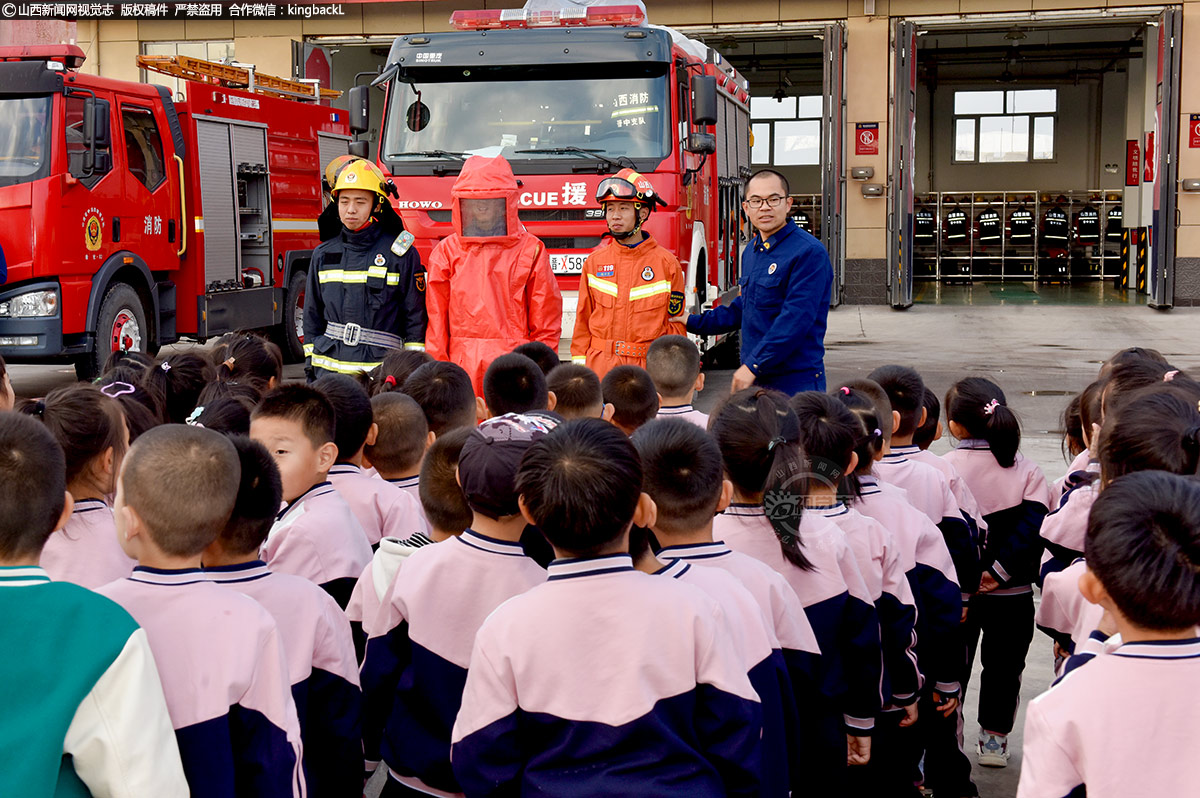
484 218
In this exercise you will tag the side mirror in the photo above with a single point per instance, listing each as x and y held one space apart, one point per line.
360 149
704 100
701 143
89 137
360 109
102 132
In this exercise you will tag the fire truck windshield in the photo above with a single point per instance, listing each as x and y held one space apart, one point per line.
511 110
24 139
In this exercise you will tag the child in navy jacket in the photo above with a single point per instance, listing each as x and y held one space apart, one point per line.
218 652
419 654
682 466
316 636
759 438
576 688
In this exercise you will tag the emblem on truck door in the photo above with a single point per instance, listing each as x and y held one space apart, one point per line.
93 230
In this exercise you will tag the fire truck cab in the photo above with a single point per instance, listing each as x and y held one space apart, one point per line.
569 96
128 219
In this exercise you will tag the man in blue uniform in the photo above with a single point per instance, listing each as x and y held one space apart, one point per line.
782 309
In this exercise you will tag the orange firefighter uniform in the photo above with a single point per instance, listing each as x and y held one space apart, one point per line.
628 291
626 296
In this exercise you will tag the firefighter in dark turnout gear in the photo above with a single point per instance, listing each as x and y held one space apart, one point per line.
366 284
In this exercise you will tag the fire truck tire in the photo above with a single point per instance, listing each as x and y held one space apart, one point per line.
726 354
120 324
289 335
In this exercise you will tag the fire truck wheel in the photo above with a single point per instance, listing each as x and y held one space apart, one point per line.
726 354
290 335
121 324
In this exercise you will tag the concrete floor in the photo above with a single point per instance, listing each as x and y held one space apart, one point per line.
1040 355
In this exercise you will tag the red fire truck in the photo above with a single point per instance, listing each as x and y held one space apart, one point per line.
128 219
569 96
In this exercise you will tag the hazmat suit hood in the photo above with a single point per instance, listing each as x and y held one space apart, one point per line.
484 203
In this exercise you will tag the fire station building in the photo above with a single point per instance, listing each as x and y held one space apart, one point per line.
989 151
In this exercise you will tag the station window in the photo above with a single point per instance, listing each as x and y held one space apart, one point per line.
1014 126
787 132
208 51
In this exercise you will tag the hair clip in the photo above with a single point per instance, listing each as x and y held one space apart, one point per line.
389 380
990 407
39 408
229 361
845 390
877 432
165 366
195 415
1170 375
775 442
115 389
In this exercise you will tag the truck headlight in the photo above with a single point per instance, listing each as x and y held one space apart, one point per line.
30 305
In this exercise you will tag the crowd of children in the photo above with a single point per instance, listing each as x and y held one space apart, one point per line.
586 587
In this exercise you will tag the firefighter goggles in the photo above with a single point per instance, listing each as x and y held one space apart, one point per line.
623 187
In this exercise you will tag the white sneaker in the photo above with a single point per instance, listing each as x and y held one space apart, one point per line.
992 750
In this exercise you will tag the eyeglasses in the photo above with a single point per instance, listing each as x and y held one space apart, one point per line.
772 201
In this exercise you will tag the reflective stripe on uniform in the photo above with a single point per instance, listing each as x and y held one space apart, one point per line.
650 289
580 359
417 345
341 366
604 286
308 350
343 276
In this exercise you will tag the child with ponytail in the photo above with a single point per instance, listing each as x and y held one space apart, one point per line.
178 382
1157 429
1013 497
829 436
249 359
934 573
759 438
394 370
91 429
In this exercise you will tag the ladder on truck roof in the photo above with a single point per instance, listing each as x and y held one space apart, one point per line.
235 76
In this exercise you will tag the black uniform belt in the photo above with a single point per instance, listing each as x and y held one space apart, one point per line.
355 334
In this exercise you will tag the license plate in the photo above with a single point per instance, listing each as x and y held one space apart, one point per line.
567 264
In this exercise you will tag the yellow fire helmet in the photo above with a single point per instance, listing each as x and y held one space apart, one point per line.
360 174
335 166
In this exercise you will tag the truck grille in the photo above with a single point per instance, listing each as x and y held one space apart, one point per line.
571 242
